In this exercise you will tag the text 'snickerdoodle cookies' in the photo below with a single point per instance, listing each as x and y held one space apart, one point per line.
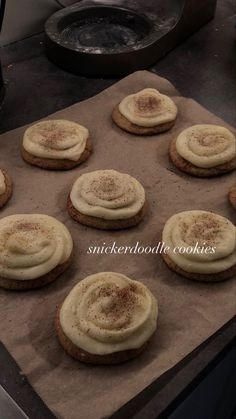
204 150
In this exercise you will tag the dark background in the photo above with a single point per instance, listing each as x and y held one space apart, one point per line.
204 68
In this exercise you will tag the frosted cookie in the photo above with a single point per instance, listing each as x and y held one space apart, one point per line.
107 318
232 195
191 230
34 250
56 144
204 150
147 112
107 199
5 188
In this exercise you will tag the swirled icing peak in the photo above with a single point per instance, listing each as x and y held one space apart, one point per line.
109 312
187 229
148 108
31 245
107 194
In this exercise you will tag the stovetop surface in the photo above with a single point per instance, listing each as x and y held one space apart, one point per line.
203 67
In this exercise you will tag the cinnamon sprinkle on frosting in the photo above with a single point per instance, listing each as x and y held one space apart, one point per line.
146 103
112 313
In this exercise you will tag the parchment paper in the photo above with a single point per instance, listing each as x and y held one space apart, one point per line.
189 311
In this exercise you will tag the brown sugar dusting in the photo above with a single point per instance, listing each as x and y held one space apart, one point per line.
146 103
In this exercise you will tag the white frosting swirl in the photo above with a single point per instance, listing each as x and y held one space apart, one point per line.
107 194
148 108
32 245
108 312
206 146
188 228
56 139
2 183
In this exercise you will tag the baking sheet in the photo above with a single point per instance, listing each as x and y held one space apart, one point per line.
190 312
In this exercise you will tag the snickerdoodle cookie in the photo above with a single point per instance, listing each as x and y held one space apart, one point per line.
107 318
107 199
56 144
5 187
147 112
201 245
232 195
204 150
34 250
